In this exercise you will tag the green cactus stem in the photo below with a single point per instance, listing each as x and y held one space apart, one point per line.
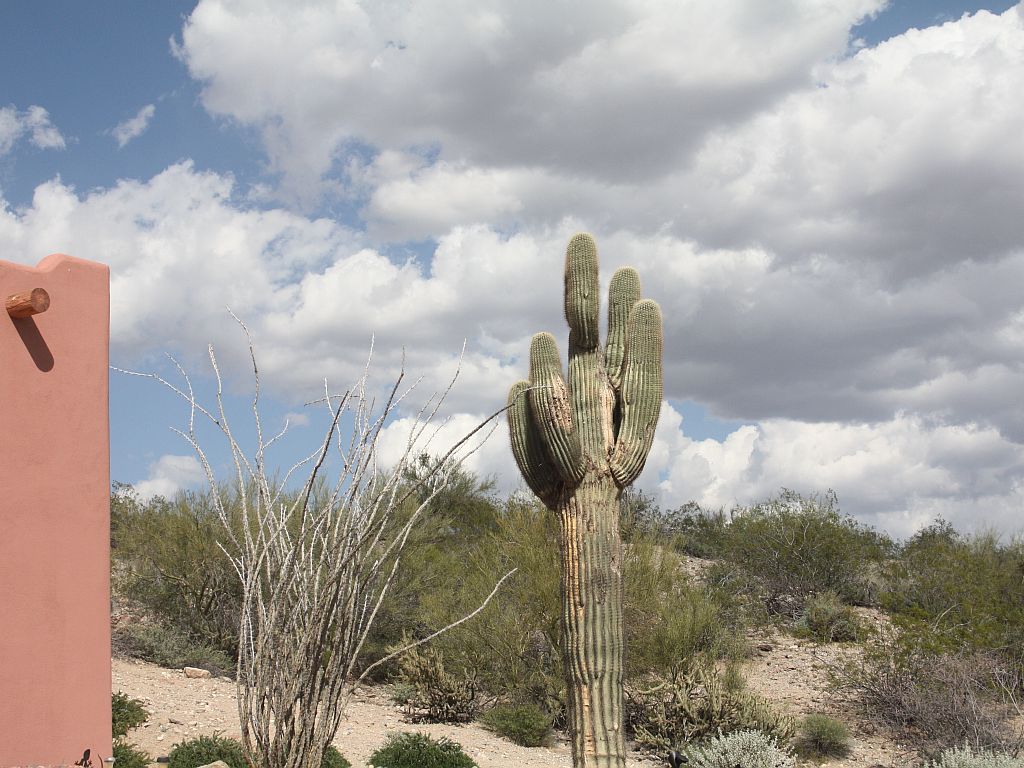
578 444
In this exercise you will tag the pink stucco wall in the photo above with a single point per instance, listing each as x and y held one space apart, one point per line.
55 517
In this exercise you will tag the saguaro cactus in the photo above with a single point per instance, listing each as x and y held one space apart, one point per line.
578 447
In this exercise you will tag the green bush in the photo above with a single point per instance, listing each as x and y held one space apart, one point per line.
129 756
166 557
510 649
743 749
826 619
669 622
205 750
169 647
796 546
965 757
525 724
418 750
694 705
822 736
968 590
125 714
334 759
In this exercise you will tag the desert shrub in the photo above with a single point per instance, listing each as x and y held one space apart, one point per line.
965 757
418 750
968 590
169 647
525 724
934 699
166 557
822 736
438 695
125 714
511 647
827 619
205 750
128 755
743 749
694 705
334 759
669 622
796 546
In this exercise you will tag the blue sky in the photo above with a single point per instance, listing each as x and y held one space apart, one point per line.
824 198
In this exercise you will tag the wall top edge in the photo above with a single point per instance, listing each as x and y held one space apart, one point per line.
52 263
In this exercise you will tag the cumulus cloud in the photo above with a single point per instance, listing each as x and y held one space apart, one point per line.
33 123
834 234
898 474
603 90
170 474
133 127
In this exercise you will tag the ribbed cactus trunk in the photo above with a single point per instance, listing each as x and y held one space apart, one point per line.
578 445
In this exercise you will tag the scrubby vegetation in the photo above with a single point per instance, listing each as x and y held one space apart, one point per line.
418 750
205 750
125 714
945 671
743 749
821 736
525 724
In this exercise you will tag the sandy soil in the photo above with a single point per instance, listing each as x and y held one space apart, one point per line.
182 708
791 672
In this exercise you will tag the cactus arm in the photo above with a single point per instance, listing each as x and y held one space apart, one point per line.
551 409
528 448
582 293
623 293
642 388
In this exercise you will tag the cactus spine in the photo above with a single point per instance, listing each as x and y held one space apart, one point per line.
578 445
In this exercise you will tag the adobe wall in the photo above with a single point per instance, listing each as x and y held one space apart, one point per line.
55 517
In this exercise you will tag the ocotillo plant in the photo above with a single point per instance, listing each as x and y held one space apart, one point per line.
578 447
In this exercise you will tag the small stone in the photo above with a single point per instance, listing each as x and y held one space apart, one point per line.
196 673
765 647
216 764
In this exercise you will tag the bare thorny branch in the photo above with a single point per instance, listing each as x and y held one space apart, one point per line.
316 565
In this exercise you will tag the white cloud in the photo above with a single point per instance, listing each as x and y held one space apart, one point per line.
897 474
34 122
133 127
835 237
170 474
605 90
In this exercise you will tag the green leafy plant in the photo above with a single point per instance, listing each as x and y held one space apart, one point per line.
418 750
129 756
167 557
125 714
796 546
205 750
525 724
743 749
334 759
821 736
965 757
827 619
967 589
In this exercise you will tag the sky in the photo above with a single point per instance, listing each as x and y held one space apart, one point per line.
825 197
